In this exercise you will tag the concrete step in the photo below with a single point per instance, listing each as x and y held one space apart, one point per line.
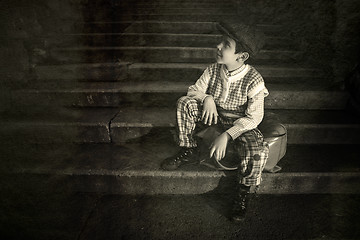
192 17
173 1
84 72
124 124
282 73
163 26
58 126
101 27
165 93
204 13
206 216
158 54
189 17
146 10
134 168
190 27
121 71
149 27
154 39
153 4
304 126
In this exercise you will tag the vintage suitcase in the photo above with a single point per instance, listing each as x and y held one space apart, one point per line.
275 136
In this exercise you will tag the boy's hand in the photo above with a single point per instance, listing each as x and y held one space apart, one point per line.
209 113
218 147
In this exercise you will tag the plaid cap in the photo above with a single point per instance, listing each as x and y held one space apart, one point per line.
250 38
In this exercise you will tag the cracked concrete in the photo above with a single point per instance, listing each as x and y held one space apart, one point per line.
53 215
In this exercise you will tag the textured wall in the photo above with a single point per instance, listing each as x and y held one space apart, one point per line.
327 31
346 38
24 25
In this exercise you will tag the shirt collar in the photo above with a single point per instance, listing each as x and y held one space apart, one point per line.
235 75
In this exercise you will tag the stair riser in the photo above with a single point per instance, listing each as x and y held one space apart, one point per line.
153 4
192 74
83 73
104 98
55 133
118 27
152 27
122 72
170 10
187 3
177 55
321 134
174 1
83 133
175 17
161 17
297 134
172 183
160 40
180 27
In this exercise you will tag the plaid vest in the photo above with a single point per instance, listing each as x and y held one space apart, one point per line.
237 99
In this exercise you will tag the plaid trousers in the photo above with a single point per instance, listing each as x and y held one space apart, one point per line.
250 146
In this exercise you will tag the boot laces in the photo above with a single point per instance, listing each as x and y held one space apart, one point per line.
240 201
183 154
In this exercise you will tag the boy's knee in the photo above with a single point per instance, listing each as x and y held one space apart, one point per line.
185 100
251 138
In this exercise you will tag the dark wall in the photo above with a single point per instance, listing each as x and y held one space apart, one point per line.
327 31
346 38
24 25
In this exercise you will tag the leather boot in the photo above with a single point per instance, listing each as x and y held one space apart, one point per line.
183 157
240 203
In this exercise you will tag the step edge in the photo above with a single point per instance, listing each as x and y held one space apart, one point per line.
173 174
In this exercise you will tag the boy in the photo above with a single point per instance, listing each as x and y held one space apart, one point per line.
230 93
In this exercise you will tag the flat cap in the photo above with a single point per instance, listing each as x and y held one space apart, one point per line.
250 38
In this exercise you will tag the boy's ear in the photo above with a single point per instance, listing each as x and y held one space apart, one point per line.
243 56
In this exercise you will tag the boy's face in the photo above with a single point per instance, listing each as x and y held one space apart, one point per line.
226 51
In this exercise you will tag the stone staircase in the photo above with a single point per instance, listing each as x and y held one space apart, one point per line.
109 89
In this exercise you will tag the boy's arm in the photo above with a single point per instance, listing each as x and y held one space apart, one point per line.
254 115
198 90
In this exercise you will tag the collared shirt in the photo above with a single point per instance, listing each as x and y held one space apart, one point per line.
238 94
229 77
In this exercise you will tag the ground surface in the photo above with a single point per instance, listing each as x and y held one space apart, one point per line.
40 215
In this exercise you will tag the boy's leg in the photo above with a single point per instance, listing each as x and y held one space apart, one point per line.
188 113
253 153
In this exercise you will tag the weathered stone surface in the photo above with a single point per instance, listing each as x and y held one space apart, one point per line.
42 207
83 125
113 94
134 168
303 126
207 217
173 27
153 39
84 72
182 183
125 71
171 4
157 54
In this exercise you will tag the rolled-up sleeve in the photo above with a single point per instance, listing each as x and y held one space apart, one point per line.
254 115
198 90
